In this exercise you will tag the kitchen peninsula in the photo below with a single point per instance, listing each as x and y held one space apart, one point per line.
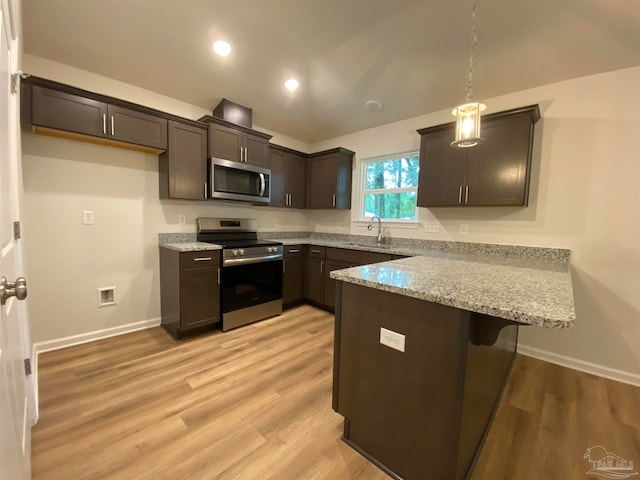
424 345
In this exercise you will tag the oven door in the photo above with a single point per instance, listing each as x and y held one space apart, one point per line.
251 292
239 181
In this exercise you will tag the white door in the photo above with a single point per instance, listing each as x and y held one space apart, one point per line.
16 394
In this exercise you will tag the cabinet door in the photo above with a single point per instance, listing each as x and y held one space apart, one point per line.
314 284
136 127
296 180
498 170
292 279
224 142
278 178
183 167
330 284
71 113
257 150
323 181
199 297
441 179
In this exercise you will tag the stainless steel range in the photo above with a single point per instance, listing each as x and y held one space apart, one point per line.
251 276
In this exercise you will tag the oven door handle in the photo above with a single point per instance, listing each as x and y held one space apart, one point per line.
263 185
228 262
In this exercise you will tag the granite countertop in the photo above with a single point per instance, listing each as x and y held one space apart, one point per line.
525 290
529 285
191 246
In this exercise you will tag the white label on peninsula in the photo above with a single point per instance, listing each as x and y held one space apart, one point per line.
392 339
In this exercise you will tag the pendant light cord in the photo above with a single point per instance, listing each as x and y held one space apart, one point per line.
474 40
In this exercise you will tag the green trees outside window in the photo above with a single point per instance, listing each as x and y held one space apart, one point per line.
389 187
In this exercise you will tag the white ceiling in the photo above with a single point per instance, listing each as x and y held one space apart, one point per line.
411 55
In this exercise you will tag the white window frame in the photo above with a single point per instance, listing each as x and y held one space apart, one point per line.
359 217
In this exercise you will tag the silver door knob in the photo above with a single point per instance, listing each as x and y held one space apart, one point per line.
16 289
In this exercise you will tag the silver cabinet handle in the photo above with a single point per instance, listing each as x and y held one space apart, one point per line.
205 189
293 250
16 289
218 275
113 126
333 200
460 194
246 154
202 259
466 194
286 199
263 185
104 123
321 265
315 251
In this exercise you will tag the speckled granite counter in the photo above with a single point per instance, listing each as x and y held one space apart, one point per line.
528 291
191 246
529 285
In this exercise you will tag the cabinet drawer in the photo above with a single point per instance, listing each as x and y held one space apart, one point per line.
356 257
318 252
293 251
204 258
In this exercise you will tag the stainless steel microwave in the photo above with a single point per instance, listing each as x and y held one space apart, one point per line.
237 181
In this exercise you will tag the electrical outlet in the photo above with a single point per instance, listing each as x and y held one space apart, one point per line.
432 227
182 219
392 339
464 229
87 217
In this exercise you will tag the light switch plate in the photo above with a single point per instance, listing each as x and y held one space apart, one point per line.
87 217
432 227
392 339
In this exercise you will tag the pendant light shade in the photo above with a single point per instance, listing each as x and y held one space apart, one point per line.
468 124
468 114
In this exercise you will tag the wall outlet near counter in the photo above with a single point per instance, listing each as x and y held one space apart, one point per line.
182 219
464 229
392 339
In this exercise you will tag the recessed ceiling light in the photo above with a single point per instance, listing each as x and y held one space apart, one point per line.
373 105
222 48
291 84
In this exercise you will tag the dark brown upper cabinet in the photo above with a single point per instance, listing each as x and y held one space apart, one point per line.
495 173
236 143
329 179
288 177
83 117
183 167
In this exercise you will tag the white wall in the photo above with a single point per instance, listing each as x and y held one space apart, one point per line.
67 261
584 196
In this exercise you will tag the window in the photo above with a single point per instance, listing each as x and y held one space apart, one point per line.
389 187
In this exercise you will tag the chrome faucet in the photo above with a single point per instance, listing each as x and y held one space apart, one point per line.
370 226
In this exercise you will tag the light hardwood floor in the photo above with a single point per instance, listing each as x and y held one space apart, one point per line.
255 403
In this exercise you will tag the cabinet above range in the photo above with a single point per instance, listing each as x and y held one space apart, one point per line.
233 142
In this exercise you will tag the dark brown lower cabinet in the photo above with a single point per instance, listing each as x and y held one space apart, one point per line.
293 275
189 290
338 258
421 413
314 275
330 284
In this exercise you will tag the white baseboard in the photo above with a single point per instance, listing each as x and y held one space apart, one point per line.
581 365
49 345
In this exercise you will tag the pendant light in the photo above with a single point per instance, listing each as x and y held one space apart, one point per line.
468 114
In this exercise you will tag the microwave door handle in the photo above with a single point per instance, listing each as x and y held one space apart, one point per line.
263 185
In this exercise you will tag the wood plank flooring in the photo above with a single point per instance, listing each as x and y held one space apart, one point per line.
255 403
